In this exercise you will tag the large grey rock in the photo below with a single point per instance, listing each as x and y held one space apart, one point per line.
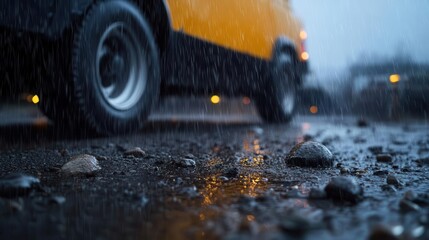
310 154
345 189
81 164
16 185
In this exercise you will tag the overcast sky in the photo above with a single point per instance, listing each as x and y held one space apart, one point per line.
342 31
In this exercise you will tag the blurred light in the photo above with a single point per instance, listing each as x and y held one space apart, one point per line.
303 35
305 56
215 99
394 78
246 100
314 109
35 99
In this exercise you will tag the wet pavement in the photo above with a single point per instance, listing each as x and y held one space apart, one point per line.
220 179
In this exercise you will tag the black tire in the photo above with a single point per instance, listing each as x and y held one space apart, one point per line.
115 72
277 100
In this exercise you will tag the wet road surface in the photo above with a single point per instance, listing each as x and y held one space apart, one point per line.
220 179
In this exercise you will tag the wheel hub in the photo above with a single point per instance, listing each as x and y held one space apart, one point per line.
121 67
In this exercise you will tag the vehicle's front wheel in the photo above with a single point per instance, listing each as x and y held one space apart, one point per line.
115 72
276 101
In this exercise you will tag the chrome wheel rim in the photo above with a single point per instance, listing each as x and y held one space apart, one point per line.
121 67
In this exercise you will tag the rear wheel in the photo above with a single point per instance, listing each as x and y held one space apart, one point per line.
276 102
115 75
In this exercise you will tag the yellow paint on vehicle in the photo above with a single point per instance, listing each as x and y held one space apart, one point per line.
246 26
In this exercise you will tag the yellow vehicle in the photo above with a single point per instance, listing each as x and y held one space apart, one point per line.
109 61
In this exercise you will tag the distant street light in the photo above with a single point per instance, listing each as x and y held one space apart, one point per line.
394 78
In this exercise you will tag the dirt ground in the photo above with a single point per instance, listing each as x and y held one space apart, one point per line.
204 180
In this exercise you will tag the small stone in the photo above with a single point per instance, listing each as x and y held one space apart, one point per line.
384 158
64 152
186 163
16 185
381 232
362 123
310 154
408 206
381 173
231 173
296 223
135 152
424 160
344 170
316 193
376 149
11 206
344 189
142 199
58 200
294 193
410 195
388 188
393 180
223 178
81 164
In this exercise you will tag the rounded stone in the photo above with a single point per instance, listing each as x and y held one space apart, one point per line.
310 154
15 185
135 152
345 189
81 164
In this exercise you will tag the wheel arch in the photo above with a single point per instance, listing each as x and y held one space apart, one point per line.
158 16
155 11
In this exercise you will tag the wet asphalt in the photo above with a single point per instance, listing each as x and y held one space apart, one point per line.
205 177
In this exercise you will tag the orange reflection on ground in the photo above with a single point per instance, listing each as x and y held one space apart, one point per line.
218 191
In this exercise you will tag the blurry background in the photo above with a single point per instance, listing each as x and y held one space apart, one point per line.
356 47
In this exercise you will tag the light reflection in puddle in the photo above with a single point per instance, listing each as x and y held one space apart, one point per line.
217 191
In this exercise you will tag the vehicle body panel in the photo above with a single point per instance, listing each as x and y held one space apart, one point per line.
247 26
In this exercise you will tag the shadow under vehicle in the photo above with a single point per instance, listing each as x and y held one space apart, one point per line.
102 65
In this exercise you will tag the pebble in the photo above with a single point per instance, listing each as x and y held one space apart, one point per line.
297 223
11 206
344 189
408 206
15 185
186 162
375 149
381 173
310 154
316 193
344 170
393 180
384 158
382 232
388 188
58 200
362 123
81 164
294 193
231 173
135 152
